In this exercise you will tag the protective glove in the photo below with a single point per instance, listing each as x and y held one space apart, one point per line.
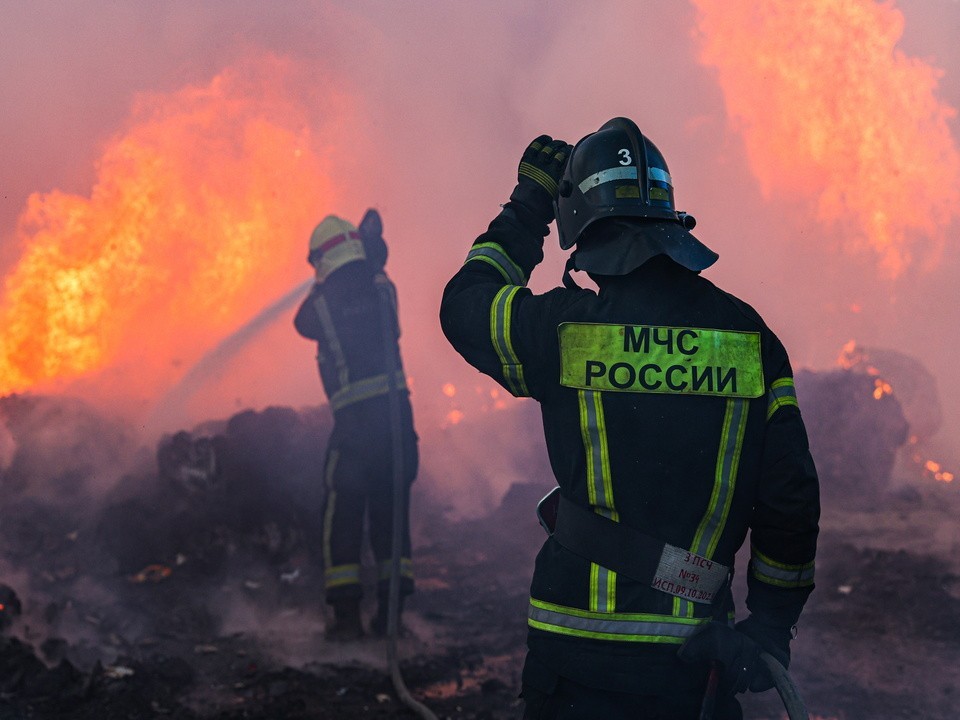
738 655
541 168
371 234
772 639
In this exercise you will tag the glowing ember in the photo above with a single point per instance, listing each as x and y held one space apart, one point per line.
881 388
454 417
449 390
850 355
938 473
832 111
198 215
151 573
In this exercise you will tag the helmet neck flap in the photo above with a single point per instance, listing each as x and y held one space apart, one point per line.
617 173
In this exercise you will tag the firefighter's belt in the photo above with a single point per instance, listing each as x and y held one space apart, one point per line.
640 557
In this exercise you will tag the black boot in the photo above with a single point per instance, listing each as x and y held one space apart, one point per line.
346 621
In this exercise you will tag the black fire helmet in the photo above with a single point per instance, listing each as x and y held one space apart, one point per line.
618 176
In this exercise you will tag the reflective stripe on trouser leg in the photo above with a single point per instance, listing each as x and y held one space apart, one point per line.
384 567
343 527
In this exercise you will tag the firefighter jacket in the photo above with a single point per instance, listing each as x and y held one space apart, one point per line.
669 408
352 316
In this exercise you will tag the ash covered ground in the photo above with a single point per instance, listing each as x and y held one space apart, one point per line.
182 587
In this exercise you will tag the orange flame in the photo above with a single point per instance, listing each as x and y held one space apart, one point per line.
831 110
938 473
198 217
881 388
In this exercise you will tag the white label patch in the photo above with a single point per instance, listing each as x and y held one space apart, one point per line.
688 575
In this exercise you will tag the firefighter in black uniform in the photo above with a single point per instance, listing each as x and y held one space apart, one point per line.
351 313
672 428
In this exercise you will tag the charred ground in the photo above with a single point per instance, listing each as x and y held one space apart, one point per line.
191 595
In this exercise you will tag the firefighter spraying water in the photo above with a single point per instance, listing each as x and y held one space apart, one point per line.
673 429
372 456
342 314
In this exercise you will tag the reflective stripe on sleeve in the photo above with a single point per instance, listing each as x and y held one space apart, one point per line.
784 575
782 393
493 254
365 389
625 627
500 319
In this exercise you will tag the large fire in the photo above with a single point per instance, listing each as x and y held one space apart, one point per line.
198 217
832 111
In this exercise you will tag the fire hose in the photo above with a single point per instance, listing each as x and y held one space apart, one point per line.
796 709
393 364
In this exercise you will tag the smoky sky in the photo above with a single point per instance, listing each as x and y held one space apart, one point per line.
446 95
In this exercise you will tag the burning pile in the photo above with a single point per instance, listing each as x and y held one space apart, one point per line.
854 435
196 217
861 415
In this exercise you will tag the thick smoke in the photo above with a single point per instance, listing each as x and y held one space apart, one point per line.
442 99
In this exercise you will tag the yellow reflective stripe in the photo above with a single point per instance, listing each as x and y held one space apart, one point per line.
333 340
782 393
365 389
660 359
332 461
594 601
603 589
495 255
385 568
539 176
683 608
781 574
725 475
593 430
588 446
623 627
500 319
611 590
605 474
341 575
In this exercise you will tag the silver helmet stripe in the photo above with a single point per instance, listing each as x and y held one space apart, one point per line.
655 173
605 176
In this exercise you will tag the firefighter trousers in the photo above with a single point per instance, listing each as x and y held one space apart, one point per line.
359 484
548 696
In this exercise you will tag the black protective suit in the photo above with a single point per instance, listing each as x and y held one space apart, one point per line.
345 315
651 422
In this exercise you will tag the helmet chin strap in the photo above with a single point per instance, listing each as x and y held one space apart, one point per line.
568 282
